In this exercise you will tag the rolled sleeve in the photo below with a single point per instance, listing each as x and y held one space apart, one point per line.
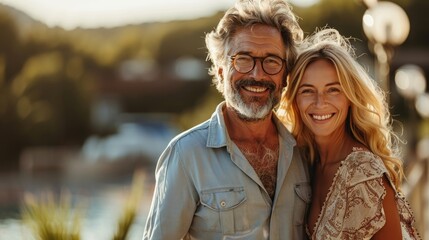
174 200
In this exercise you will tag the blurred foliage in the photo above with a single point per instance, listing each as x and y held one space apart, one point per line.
343 15
131 207
49 219
186 39
52 219
49 77
346 16
200 112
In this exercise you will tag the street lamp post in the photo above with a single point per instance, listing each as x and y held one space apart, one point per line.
386 26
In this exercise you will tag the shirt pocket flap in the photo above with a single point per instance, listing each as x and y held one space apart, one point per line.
303 190
223 199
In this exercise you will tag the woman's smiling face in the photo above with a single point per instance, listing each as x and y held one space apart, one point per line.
321 102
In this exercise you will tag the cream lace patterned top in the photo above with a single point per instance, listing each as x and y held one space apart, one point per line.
353 207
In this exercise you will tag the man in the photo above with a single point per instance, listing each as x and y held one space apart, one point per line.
238 175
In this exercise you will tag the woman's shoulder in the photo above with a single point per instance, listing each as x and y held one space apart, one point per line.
363 165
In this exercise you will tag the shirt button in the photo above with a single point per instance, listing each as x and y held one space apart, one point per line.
222 203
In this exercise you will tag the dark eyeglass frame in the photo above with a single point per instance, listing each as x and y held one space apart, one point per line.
262 59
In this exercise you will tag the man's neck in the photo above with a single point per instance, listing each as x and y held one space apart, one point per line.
244 130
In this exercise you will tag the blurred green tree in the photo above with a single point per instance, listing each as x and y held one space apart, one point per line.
53 100
10 134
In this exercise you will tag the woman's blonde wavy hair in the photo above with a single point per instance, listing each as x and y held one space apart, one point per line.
368 120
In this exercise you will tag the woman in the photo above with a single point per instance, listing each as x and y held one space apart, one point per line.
341 122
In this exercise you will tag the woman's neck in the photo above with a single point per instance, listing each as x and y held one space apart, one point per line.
333 149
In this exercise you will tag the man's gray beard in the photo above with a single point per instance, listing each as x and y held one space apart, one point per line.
249 112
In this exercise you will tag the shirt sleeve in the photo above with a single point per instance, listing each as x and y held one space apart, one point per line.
174 200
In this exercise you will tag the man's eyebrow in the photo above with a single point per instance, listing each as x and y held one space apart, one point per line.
266 55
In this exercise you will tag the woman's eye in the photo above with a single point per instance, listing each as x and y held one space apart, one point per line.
334 90
306 91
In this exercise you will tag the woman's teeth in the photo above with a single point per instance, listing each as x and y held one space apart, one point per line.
322 117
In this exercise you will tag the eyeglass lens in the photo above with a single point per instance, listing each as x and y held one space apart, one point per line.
245 63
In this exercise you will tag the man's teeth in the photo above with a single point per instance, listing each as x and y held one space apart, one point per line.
255 89
322 117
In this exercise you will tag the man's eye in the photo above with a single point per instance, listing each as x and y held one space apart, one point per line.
273 61
243 59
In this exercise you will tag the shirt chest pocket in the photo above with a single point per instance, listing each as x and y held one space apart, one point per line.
303 199
222 210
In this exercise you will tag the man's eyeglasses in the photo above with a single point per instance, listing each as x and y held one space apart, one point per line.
244 63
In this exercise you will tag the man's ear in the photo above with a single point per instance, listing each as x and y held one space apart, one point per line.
220 73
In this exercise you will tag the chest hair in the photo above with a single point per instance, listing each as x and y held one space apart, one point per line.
264 160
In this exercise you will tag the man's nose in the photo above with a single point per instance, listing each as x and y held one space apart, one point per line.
258 71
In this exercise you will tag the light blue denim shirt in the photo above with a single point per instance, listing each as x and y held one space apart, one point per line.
206 189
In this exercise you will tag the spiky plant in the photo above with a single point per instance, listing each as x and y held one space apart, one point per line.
57 220
51 220
131 207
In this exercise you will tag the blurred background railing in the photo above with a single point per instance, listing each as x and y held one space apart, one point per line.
84 107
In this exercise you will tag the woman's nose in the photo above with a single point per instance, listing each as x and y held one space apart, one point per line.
320 99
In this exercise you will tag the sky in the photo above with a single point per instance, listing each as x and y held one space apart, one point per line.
70 14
